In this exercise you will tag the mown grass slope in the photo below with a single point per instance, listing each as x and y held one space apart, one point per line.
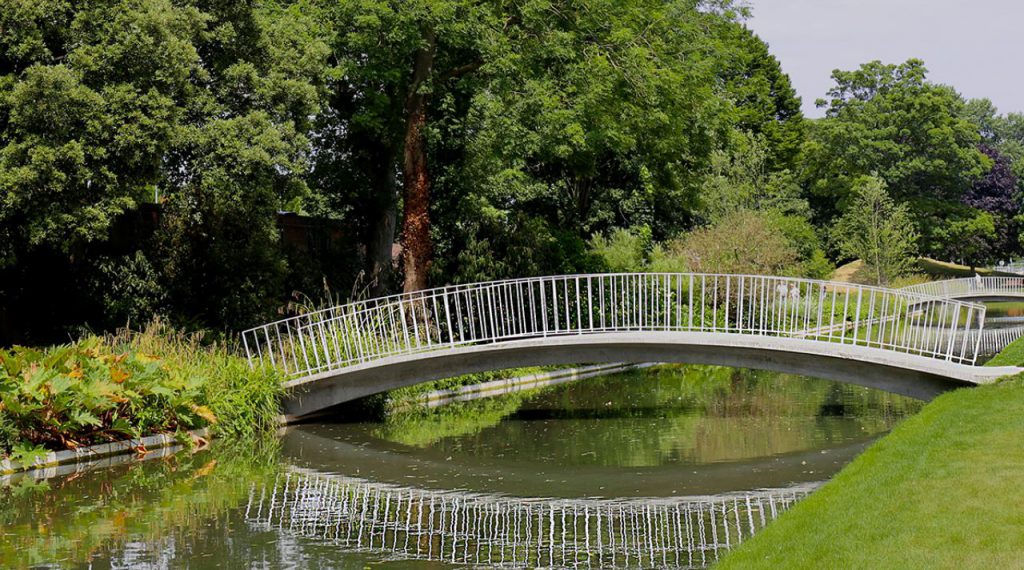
943 490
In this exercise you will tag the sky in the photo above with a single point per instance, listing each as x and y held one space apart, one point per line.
977 46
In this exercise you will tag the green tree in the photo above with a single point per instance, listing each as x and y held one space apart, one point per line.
889 121
972 236
878 231
1003 134
89 99
202 106
396 61
591 116
741 178
764 99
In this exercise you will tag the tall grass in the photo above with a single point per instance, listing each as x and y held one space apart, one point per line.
245 401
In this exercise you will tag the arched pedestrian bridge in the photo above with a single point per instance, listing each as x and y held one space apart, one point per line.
902 341
1000 288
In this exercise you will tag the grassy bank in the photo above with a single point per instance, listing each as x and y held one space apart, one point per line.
1012 355
926 269
133 384
941 491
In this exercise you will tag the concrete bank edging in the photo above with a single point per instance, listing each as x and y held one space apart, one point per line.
514 384
99 451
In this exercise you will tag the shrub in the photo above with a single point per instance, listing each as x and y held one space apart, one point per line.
622 251
741 242
245 401
86 392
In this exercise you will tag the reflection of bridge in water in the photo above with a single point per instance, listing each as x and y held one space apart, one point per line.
514 532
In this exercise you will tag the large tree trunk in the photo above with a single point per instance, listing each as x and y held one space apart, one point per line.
416 222
379 236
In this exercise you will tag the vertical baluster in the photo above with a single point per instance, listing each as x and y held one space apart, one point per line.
703 300
579 307
565 303
690 326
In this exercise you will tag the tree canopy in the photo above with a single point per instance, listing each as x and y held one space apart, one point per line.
151 153
887 120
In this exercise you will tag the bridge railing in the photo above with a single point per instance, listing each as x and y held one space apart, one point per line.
989 341
971 287
1016 267
480 313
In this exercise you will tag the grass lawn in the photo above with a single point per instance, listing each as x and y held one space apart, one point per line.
944 490
928 268
945 270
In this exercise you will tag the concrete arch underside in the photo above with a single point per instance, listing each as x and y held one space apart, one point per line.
907 374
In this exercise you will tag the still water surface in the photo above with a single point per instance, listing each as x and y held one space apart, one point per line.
665 467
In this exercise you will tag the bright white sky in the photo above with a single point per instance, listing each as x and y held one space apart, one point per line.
977 46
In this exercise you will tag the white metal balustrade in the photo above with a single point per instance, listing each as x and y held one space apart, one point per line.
446 318
990 341
993 341
1016 267
971 287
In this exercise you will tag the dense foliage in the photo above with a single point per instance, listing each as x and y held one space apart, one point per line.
135 384
149 147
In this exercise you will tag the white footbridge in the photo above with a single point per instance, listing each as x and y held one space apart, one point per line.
916 341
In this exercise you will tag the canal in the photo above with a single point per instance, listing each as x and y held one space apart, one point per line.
668 466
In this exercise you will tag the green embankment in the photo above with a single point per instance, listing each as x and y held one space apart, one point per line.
927 269
947 270
1012 355
943 490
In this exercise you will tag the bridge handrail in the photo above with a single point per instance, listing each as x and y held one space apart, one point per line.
970 286
1016 267
537 307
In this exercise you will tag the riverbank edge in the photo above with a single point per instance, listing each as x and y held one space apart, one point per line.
834 528
98 451
501 386
432 399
